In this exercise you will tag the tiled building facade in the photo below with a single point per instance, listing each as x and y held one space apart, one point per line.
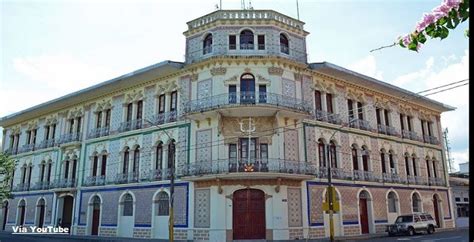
99 160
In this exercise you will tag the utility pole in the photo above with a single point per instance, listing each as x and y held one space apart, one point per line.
448 149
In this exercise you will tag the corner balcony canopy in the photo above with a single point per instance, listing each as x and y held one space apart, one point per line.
248 104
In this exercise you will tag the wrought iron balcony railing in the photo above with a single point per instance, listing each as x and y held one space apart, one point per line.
12 151
163 118
360 124
406 134
388 130
246 98
244 166
430 139
362 175
95 181
64 183
123 178
44 185
131 125
436 181
71 137
98 132
324 116
21 187
27 148
391 178
156 175
46 144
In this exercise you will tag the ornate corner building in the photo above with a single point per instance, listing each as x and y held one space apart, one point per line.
247 126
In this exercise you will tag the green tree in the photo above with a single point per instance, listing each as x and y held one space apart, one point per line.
7 166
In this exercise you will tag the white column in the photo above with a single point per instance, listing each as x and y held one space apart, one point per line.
359 159
323 102
167 101
134 110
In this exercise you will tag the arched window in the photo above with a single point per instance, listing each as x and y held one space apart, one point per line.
246 40
247 88
21 210
416 203
284 44
413 159
392 202
95 165
171 153
136 160
159 156
393 170
163 202
127 205
382 160
332 152
365 158
321 153
103 167
355 160
207 44
96 202
126 157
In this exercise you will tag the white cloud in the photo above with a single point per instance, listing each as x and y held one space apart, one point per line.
437 73
367 66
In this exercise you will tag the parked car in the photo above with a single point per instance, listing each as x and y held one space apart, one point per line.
411 224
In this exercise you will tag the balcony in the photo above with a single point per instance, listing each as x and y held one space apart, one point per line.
27 148
163 118
22 187
391 178
44 185
69 138
12 151
46 144
361 175
360 124
130 125
99 132
95 181
64 183
124 178
430 139
258 102
406 134
435 181
324 116
245 168
387 130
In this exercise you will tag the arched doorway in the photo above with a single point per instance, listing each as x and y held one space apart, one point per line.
161 215
337 216
437 212
40 212
21 213
66 207
5 214
248 214
95 215
364 212
247 88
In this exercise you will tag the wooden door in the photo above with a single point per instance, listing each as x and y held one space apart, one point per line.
95 220
248 214
5 214
436 210
67 212
41 216
364 218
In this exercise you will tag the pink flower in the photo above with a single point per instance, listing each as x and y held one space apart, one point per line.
452 3
418 46
427 20
406 40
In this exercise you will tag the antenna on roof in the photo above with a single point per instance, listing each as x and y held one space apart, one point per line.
297 10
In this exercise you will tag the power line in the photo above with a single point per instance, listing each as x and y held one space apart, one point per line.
449 84
447 89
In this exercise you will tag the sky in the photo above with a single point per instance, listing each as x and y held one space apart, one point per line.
50 48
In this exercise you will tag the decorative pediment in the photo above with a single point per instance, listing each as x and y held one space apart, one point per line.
134 96
276 71
356 95
51 119
15 129
381 102
234 80
103 105
216 71
75 112
324 86
32 125
404 109
194 77
167 87
263 80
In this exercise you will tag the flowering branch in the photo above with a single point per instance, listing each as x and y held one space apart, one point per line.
435 24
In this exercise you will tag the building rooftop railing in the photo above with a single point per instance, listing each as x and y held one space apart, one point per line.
247 99
245 14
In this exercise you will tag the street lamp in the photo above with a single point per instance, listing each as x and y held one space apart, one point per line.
330 186
171 150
